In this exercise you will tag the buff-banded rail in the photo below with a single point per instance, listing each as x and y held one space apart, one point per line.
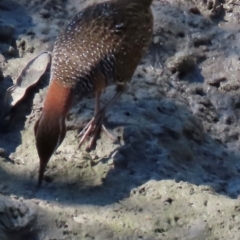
102 45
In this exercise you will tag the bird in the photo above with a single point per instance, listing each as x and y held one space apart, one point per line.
102 45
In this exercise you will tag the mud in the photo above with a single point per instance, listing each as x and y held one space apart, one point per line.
175 171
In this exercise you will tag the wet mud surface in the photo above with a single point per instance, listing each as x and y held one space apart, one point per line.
175 171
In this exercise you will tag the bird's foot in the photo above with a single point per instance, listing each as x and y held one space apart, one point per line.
92 130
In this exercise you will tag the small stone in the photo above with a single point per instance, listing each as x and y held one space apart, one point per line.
156 39
110 161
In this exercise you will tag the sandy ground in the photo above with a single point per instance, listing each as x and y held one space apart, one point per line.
175 172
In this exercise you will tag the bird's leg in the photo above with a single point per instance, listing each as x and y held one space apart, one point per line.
97 102
96 124
96 110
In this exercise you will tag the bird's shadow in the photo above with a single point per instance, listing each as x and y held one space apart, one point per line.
174 147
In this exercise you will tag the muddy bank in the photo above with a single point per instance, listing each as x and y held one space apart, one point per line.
174 174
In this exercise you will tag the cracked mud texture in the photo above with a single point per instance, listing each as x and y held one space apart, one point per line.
175 172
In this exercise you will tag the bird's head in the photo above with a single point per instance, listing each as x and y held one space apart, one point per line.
50 130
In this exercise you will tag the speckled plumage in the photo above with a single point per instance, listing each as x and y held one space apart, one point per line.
103 44
108 39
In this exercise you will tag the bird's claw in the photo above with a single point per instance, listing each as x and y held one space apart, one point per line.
92 130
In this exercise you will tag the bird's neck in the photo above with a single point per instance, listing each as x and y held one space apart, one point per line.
58 100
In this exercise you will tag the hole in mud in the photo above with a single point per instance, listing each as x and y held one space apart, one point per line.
48 179
176 218
181 34
159 230
168 201
200 92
